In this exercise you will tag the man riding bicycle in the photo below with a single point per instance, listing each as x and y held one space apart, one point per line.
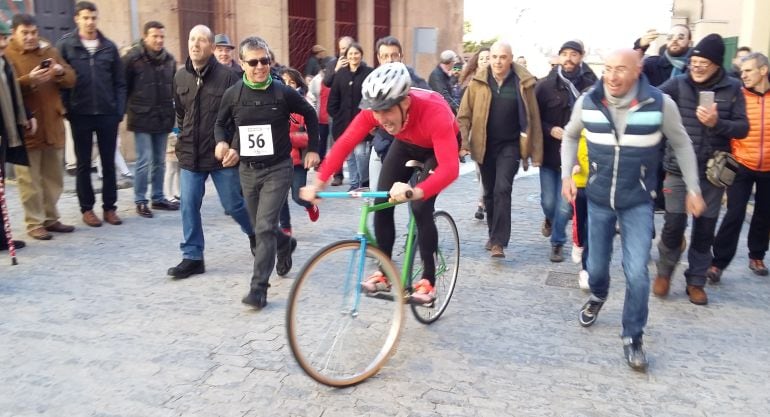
425 130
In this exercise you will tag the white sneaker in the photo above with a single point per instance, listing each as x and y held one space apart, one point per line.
583 280
577 253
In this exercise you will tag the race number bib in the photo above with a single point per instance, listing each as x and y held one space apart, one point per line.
256 140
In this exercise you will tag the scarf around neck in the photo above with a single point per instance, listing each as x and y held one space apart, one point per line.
568 78
257 86
678 62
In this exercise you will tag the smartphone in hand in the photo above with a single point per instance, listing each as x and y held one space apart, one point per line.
46 63
706 99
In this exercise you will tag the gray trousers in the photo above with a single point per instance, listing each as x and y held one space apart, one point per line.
675 224
265 190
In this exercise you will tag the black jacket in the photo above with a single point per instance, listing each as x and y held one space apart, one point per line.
197 97
101 83
150 83
440 82
344 97
553 99
658 69
242 106
732 122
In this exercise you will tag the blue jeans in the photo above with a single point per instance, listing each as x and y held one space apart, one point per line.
299 180
193 187
150 161
358 164
555 208
265 190
636 226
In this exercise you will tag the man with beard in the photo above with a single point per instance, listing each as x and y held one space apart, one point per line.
671 62
556 95
150 72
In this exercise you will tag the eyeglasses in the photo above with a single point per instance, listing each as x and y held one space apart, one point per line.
700 64
265 61
678 36
394 57
621 71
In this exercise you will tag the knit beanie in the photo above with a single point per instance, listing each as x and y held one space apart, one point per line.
574 45
712 47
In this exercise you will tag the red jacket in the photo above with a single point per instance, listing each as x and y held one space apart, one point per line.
298 136
323 112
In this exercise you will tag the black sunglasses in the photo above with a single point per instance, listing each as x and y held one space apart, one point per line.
265 61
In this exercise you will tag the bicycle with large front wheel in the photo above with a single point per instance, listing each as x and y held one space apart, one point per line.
341 335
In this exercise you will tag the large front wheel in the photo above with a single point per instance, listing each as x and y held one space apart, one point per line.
338 334
447 260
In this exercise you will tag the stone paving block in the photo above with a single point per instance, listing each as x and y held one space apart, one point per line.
105 331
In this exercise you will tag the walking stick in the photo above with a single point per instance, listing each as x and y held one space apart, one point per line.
6 220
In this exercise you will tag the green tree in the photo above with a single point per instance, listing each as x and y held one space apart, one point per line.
473 46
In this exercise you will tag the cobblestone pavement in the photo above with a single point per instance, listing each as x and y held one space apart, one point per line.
92 326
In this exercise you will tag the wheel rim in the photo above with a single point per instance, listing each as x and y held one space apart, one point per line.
338 335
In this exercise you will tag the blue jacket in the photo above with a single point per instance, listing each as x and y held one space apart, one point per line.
623 166
101 83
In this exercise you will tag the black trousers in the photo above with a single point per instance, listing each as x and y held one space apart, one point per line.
106 129
500 165
738 194
394 170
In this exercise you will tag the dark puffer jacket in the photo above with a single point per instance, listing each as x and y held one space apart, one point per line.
150 81
100 88
732 122
197 97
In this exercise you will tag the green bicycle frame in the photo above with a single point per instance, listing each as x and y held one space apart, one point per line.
365 235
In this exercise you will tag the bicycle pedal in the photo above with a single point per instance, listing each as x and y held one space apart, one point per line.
381 296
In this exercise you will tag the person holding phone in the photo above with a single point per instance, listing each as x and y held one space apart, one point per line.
42 73
713 112
440 80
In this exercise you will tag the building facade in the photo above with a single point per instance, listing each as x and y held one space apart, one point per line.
291 27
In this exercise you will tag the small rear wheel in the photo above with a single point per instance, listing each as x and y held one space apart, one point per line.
447 259
339 335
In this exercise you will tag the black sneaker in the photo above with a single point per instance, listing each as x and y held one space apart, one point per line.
556 253
256 298
479 213
283 263
253 244
590 311
186 268
164 204
634 353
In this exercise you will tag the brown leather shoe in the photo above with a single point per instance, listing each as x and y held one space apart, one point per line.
60 227
40 233
697 295
497 251
661 285
90 219
758 266
112 218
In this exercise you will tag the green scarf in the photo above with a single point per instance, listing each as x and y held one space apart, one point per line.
257 86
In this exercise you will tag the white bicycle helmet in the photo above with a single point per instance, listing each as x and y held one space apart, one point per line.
385 87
